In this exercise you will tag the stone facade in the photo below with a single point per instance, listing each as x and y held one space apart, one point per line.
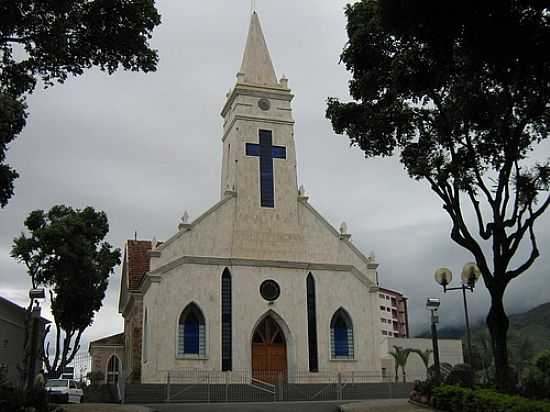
103 350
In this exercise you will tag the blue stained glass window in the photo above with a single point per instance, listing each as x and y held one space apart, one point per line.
226 321
341 346
266 152
341 335
191 334
252 149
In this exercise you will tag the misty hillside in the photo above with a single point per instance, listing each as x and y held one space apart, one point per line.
534 324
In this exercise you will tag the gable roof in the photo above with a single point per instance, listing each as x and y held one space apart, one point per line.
138 260
117 339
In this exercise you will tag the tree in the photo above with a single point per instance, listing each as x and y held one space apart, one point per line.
400 357
50 40
425 355
462 91
65 251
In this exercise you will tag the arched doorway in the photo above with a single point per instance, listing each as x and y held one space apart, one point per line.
113 370
269 362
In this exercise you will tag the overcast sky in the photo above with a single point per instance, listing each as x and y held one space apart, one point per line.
146 147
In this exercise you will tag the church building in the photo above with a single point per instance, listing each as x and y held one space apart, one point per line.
260 284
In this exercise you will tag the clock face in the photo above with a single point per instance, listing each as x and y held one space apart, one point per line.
264 104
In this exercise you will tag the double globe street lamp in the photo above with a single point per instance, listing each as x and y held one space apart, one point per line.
470 275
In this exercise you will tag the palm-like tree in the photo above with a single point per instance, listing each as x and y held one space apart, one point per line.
425 355
400 357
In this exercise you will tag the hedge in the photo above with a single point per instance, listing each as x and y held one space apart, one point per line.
457 399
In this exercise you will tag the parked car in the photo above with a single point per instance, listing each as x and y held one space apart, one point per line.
63 391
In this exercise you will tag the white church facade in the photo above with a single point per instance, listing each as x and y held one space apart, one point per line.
260 283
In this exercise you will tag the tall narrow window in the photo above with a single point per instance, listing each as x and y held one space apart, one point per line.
312 325
191 333
226 321
341 336
145 337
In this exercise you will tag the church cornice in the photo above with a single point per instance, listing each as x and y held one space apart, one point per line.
156 275
254 119
242 89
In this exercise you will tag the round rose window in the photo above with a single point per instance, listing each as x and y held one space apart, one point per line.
270 290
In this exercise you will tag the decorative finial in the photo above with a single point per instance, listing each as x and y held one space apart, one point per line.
185 218
344 228
154 243
372 256
344 235
302 190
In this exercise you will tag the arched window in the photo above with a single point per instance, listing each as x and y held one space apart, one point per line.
191 333
312 324
341 336
145 337
226 321
113 370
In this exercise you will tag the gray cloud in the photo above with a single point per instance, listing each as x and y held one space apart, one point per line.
145 148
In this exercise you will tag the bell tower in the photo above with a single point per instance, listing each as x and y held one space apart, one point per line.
259 160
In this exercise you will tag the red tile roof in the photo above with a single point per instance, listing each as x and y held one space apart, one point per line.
139 261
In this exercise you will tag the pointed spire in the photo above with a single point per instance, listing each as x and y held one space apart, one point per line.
257 67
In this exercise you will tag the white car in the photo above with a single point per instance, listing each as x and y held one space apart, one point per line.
63 390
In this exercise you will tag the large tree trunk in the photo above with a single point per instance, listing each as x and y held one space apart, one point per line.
498 323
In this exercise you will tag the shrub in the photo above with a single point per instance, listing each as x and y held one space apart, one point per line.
543 362
457 399
16 399
461 375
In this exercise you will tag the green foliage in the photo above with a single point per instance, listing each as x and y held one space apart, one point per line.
456 399
400 357
49 41
461 91
543 362
65 251
17 399
425 355
536 383
461 375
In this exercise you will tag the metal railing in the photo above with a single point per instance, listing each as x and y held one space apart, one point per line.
196 385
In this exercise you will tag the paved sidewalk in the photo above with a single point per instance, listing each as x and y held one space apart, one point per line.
399 405
367 406
104 407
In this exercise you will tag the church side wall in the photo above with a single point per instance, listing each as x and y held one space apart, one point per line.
201 284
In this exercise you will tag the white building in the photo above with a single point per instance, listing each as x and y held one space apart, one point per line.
260 283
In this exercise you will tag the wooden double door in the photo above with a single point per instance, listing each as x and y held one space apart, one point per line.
269 362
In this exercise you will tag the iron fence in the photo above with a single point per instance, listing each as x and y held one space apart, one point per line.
196 385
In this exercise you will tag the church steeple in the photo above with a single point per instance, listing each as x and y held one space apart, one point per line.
257 67
259 158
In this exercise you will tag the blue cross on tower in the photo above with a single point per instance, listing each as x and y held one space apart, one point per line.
266 152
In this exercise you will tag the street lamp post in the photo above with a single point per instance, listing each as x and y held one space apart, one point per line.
470 275
35 295
432 305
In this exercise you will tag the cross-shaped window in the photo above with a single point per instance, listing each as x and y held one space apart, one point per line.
266 152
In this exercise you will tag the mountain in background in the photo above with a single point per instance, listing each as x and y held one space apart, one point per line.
533 325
